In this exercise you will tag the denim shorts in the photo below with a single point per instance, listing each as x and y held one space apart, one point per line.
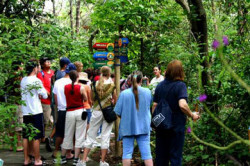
143 142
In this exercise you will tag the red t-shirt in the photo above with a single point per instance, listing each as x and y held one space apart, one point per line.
75 101
46 80
96 78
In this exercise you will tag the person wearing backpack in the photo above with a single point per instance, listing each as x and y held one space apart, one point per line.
45 76
133 107
170 110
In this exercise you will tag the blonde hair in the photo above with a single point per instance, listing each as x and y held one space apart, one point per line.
135 79
78 65
105 72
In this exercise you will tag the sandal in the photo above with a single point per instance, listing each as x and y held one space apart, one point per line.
29 164
43 163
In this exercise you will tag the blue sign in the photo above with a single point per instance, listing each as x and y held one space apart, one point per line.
100 56
123 59
125 41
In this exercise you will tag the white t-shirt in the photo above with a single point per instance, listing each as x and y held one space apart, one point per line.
59 91
31 88
155 81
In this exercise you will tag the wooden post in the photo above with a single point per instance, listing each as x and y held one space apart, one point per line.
118 148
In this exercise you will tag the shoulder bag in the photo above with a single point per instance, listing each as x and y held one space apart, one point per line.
162 116
108 112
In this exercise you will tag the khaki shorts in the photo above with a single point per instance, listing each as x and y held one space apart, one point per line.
46 113
19 115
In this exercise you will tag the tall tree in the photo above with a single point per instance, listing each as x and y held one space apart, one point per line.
78 5
196 15
71 16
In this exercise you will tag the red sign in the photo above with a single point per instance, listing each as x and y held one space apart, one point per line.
100 46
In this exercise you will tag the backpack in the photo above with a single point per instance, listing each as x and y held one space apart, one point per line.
162 116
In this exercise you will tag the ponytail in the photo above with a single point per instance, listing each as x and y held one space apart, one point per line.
105 72
73 75
136 78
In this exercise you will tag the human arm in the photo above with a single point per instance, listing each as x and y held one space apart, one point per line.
186 110
84 94
55 98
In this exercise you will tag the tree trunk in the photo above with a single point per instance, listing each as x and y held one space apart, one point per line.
78 5
242 20
197 17
71 17
214 16
54 7
142 58
91 41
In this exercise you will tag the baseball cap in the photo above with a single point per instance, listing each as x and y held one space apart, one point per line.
64 61
70 67
83 76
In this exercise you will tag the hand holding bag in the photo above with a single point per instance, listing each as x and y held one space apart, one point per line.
108 112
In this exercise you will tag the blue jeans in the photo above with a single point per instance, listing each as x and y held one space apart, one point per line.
89 113
143 142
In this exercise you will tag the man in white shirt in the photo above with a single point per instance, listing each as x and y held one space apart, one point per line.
60 101
32 91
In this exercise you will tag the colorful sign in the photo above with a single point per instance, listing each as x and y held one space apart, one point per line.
125 41
99 64
110 47
100 55
110 56
100 46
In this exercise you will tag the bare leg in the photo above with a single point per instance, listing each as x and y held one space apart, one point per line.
53 132
36 150
63 152
31 148
104 153
59 141
148 162
85 154
19 140
77 152
26 151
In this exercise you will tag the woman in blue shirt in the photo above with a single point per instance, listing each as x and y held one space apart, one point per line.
133 107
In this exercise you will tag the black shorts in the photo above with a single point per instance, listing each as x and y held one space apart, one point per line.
37 122
60 124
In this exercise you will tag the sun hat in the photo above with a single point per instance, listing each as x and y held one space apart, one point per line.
83 76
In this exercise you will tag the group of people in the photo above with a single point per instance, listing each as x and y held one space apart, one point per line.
78 114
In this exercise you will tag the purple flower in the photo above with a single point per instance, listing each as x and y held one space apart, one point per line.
215 44
225 40
202 97
189 130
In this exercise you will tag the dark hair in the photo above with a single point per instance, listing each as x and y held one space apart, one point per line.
16 64
135 79
30 65
90 72
43 60
158 66
175 71
73 75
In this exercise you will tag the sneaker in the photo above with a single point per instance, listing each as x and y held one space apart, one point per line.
81 163
61 160
75 161
48 147
104 163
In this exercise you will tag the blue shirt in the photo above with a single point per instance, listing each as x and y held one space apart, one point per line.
133 121
176 90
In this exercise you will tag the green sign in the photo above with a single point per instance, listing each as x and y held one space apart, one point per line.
99 64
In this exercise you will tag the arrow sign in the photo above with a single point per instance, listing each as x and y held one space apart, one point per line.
99 64
100 46
104 56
